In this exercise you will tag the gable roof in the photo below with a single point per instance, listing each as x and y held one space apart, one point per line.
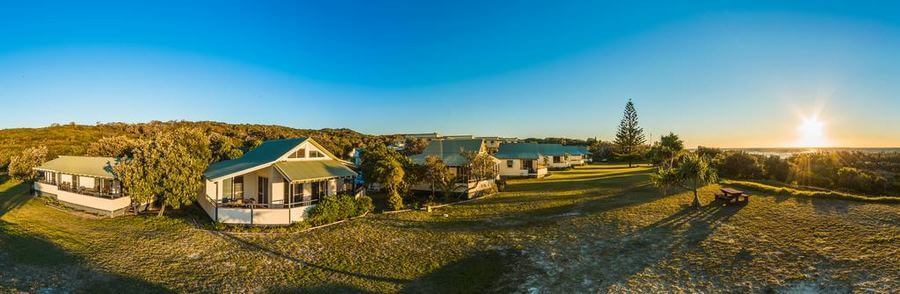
100 167
267 152
313 169
449 150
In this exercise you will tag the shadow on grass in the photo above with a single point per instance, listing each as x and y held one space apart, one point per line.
14 197
42 259
327 288
277 254
649 245
478 273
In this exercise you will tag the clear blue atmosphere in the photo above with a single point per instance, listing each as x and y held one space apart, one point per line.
719 73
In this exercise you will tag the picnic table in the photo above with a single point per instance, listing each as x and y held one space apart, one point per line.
731 194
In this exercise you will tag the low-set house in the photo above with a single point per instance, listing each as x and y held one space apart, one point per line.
83 183
522 160
277 183
578 155
452 152
558 156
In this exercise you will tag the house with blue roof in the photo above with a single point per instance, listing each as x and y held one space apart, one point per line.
276 183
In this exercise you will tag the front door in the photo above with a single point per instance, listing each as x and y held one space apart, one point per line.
263 191
529 164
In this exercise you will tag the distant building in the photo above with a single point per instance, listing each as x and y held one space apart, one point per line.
492 143
452 153
522 160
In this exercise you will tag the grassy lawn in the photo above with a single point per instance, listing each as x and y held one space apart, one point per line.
595 228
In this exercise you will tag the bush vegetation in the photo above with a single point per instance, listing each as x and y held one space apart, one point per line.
227 140
848 171
339 207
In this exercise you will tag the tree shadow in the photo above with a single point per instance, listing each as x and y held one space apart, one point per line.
481 272
277 254
31 262
14 197
684 230
326 288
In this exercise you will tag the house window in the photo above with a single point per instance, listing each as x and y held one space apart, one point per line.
238 187
262 190
297 192
300 153
315 154
319 190
509 163
557 159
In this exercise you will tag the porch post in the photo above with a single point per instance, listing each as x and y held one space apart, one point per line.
216 201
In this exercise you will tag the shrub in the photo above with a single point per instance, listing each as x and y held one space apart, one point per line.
363 205
339 207
776 168
739 165
395 202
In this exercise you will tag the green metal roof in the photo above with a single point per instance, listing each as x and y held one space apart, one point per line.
100 167
519 151
449 150
534 150
577 150
267 152
302 170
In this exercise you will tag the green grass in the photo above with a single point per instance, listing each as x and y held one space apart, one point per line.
595 228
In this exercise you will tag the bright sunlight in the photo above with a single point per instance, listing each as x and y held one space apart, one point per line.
812 133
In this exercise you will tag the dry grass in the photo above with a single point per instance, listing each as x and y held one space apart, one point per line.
597 228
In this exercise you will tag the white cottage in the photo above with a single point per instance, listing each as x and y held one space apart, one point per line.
84 183
277 183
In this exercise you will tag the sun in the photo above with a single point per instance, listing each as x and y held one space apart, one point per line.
812 133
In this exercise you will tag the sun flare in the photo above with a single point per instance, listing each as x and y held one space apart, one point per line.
812 133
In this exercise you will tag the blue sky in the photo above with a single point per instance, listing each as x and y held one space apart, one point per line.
720 73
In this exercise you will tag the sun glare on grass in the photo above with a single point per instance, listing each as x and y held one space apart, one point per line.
812 133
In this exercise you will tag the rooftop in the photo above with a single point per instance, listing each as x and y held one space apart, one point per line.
100 167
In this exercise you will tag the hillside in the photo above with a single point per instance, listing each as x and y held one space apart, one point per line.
72 139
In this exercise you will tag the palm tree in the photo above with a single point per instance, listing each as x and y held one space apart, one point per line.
690 172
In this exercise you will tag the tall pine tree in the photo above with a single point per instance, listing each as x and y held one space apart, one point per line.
630 137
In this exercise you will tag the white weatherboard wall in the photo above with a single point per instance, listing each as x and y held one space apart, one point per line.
514 171
518 170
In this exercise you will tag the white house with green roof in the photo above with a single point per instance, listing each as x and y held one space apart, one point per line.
84 183
276 183
522 160
452 152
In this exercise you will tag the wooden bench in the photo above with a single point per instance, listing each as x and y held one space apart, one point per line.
730 194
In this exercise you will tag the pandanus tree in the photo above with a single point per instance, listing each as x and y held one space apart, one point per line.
689 171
